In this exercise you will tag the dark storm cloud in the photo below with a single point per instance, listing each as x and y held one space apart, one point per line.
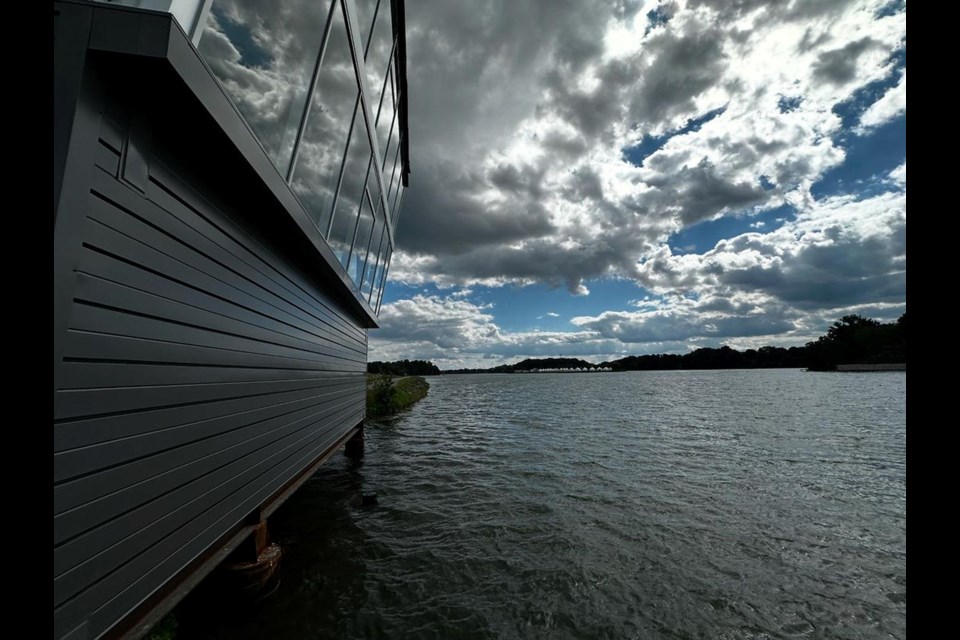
840 65
590 112
847 270
684 67
519 112
518 109
845 253
700 192
630 327
565 145
451 218
784 9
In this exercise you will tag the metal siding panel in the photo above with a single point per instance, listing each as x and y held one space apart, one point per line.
198 214
202 361
124 427
82 560
77 404
201 371
191 326
107 158
98 463
171 297
190 227
111 598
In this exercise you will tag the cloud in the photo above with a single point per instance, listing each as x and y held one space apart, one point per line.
892 105
841 251
785 286
899 176
839 66
517 141
679 326
520 112
455 333
520 115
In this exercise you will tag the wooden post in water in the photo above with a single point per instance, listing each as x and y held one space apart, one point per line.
354 446
250 568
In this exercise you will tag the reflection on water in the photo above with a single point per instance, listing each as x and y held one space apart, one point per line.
727 504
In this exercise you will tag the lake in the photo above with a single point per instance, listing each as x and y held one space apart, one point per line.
680 504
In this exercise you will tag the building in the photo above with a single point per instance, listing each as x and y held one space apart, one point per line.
227 178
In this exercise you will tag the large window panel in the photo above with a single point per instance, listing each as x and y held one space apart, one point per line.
321 152
393 178
361 242
265 61
387 111
365 10
355 170
378 53
370 271
389 150
381 265
395 207
378 289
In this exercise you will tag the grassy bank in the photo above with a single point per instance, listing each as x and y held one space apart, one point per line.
387 395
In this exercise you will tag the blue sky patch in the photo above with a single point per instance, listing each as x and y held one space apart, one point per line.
850 110
656 17
637 154
704 236
787 104
517 308
251 55
869 159
892 8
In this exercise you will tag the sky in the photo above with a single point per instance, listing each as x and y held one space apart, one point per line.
599 179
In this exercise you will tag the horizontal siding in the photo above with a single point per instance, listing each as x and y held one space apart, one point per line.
201 371
110 598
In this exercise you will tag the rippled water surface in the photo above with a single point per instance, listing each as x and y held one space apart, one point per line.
727 504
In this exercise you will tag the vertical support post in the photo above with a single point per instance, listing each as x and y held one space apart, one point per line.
251 570
354 447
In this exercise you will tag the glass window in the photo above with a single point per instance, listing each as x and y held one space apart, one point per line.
321 151
393 177
265 61
365 10
378 290
386 113
391 142
381 264
370 271
356 167
361 242
379 50
395 209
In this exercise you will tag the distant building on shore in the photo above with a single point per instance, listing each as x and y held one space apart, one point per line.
872 367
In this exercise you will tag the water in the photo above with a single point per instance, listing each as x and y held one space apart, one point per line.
727 504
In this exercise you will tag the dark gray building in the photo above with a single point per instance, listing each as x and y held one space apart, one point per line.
227 179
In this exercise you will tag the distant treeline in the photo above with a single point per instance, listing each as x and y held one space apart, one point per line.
857 340
404 368
851 340
531 364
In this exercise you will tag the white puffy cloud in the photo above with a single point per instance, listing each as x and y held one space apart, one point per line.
899 175
780 287
520 116
519 174
456 333
841 251
892 104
